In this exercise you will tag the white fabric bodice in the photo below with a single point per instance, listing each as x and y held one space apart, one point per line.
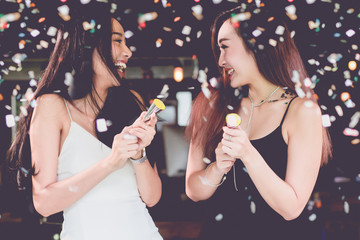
113 209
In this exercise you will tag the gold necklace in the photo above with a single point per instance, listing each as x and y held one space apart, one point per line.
261 103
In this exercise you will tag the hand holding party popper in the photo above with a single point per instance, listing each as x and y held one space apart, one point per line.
156 107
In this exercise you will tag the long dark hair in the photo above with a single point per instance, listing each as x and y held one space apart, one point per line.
276 64
72 53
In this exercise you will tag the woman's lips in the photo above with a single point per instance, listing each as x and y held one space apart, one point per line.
121 66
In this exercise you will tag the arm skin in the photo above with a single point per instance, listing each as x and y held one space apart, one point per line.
195 172
148 180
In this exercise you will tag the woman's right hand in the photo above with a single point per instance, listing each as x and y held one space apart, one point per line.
123 148
223 161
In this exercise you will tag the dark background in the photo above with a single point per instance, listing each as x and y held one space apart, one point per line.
174 206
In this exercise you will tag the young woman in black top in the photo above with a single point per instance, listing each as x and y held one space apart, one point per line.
272 159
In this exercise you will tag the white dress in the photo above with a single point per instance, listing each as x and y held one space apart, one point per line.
113 209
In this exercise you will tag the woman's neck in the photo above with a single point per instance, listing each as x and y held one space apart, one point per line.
261 91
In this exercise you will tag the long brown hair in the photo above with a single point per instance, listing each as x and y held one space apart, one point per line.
72 54
277 64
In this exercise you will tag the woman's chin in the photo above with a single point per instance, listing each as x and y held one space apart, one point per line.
234 83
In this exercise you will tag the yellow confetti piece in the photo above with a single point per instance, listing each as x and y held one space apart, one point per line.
352 65
233 120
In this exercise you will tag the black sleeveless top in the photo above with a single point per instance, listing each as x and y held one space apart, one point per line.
237 210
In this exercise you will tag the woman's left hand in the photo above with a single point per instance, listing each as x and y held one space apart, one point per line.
144 131
236 142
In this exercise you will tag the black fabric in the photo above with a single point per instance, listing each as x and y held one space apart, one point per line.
230 216
121 109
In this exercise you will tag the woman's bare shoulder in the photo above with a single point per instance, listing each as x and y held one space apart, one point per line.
303 111
49 107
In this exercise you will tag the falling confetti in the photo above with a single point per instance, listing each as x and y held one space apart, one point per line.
101 125
346 207
252 207
10 120
326 120
312 217
206 160
219 217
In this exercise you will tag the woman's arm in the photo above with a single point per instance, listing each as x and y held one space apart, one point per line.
197 188
304 131
149 183
148 180
46 127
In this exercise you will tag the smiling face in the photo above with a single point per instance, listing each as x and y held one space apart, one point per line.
120 54
235 58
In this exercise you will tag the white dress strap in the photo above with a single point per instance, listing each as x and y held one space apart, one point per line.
67 107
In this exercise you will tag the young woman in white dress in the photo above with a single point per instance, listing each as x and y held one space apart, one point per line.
102 189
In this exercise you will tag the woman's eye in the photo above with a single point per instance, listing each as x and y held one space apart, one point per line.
223 46
119 41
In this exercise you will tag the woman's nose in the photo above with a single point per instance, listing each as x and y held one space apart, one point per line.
127 53
221 61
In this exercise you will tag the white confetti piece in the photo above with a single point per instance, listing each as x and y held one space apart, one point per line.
202 76
231 108
348 83
252 207
256 33
10 120
351 132
101 125
214 82
219 217
354 120
307 82
206 160
68 79
280 30
197 9
186 30
291 9
44 44
23 111
66 34
33 83
312 217
349 103
272 42
128 34
346 207
339 110
179 42
300 92
51 31
326 120
64 9
350 33
206 92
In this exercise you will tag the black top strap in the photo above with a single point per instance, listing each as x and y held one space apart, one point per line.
282 120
